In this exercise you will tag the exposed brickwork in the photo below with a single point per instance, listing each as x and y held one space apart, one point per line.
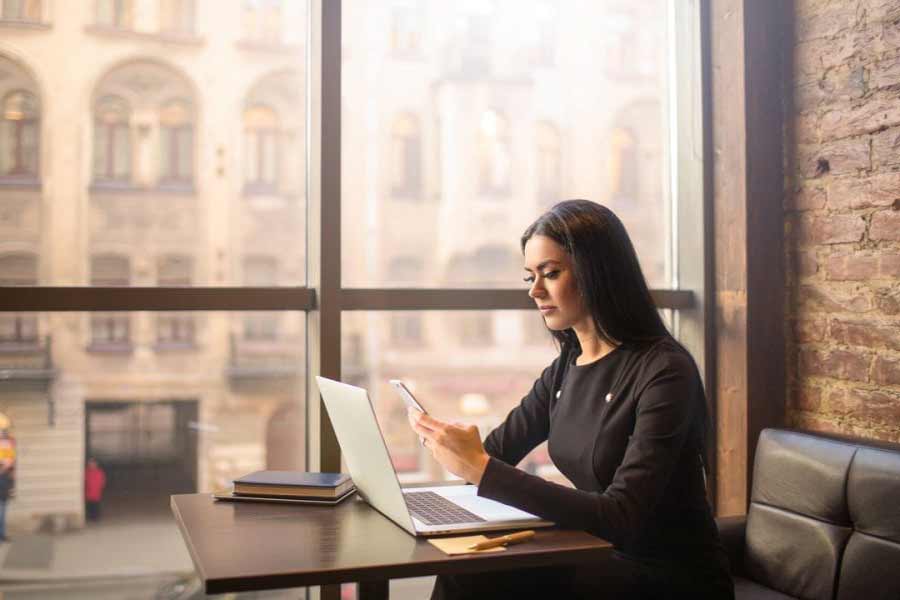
842 216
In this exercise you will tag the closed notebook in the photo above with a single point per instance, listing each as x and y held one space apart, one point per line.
293 484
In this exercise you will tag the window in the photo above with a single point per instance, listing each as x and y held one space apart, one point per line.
177 16
476 330
406 327
623 166
19 135
176 143
115 13
261 271
263 20
404 34
549 165
112 140
547 25
18 329
406 158
536 332
430 287
144 127
22 10
174 329
494 154
261 135
110 331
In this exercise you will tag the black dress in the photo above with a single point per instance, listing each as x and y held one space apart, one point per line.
628 431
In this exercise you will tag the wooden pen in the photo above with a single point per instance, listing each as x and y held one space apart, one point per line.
513 538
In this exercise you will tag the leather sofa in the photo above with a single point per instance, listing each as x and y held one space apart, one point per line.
823 522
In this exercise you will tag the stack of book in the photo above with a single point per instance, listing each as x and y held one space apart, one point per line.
291 486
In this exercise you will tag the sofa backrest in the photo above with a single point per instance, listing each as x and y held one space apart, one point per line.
824 517
870 568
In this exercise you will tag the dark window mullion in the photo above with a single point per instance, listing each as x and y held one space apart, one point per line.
472 299
53 299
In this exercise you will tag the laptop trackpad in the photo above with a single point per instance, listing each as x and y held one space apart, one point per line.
490 510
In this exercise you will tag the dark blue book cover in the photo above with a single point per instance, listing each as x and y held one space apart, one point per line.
294 479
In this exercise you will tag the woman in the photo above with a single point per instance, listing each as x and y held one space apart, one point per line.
624 413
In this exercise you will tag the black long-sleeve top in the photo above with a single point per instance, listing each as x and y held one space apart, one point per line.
628 431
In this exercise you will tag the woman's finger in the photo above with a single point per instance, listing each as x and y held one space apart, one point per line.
431 423
424 432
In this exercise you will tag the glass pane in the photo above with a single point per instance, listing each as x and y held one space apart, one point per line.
501 134
166 147
187 405
30 148
466 366
185 153
152 124
7 147
121 151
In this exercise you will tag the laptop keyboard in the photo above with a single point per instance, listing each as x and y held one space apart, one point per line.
432 509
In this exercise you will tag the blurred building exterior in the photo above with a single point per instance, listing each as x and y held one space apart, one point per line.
163 143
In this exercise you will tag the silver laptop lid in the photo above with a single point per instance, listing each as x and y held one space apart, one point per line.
364 450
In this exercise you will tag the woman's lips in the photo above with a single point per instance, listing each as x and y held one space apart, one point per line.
546 309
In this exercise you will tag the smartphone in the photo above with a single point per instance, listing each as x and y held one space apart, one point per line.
408 399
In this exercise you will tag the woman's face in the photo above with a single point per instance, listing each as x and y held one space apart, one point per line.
548 268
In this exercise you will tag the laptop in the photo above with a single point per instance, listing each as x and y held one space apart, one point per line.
422 511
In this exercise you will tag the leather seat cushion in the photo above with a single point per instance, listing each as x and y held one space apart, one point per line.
870 568
789 466
873 493
744 589
792 553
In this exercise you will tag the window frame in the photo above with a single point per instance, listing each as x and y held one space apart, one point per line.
20 169
324 299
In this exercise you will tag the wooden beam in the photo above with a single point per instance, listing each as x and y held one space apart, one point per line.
747 52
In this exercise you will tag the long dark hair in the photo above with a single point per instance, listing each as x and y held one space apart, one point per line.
607 272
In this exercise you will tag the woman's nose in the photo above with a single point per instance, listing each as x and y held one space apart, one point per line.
535 290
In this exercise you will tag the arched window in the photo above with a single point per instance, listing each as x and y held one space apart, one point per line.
405 30
176 140
176 16
17 329
547 26
406 158
174 270
623 166
261 146
261 271
494 153
21 10
549 164
115 13
19 135
174 329
495 265
263 20
406 327
110 270
112 140
110 331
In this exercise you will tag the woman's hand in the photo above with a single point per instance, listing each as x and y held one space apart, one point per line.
457 447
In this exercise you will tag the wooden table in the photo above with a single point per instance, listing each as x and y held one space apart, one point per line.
242 546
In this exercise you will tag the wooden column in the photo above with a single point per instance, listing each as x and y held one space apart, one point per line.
747 45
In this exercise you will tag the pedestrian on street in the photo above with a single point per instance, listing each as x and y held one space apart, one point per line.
94 482
7 470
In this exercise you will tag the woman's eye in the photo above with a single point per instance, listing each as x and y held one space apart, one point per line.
528 280
551 275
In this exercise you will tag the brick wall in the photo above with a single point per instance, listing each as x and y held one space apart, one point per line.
842 219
